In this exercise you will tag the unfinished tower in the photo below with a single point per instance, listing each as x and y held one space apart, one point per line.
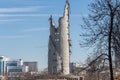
59 44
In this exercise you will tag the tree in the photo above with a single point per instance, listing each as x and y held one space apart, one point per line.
102 25
96 66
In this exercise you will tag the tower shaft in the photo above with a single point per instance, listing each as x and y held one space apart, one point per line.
64 39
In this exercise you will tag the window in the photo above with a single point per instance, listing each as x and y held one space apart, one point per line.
57 33
55 60
56 40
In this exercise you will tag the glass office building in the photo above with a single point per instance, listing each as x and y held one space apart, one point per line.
14 69
8 65
11 63
1 66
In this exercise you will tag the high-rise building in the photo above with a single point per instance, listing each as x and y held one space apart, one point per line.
1 65
32 66
59 44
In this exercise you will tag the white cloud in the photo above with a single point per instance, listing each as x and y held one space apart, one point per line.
10 20
13 37
41 15
23 9
35 29
28 15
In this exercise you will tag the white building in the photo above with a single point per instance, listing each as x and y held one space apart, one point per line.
59 45
32 66
8 65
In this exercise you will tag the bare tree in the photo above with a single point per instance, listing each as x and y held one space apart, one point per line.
96 67
102 25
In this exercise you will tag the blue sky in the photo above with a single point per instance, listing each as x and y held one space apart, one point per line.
24 28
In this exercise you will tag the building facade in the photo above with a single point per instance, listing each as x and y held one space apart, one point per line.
1 65
59 44
32 66
8 66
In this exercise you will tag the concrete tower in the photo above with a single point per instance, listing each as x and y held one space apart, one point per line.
58 54
64 39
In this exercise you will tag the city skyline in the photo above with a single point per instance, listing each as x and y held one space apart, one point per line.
24 28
